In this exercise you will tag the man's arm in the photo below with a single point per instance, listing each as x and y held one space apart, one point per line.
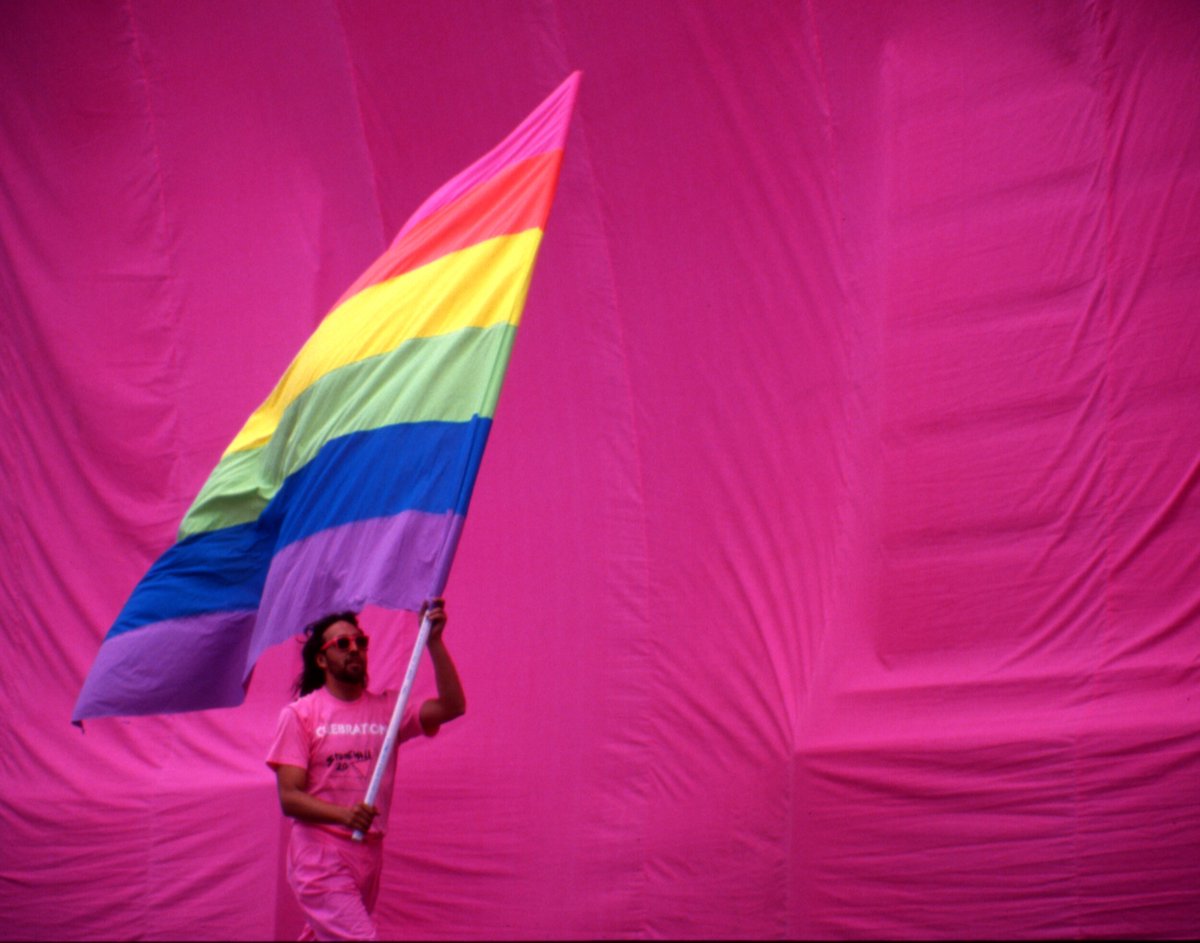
299 804
450 702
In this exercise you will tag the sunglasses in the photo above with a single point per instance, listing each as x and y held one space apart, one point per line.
346 642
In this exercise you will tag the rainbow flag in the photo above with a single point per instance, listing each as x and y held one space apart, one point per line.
349 485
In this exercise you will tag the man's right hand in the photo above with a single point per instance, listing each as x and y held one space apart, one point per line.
360 816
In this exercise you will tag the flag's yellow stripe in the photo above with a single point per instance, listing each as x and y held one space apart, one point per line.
479 286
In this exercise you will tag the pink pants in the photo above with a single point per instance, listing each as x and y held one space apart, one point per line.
336 882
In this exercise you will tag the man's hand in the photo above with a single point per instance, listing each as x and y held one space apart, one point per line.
450 701
360 816
435 610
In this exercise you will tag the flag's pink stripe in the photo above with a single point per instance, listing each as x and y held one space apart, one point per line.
544 130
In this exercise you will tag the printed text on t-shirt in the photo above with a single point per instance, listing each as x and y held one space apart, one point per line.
344 760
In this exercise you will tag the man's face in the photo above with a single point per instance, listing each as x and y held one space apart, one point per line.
346 661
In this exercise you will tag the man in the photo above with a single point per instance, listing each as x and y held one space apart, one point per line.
323 755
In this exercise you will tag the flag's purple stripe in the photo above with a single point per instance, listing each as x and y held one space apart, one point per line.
202 661
396 562
185 664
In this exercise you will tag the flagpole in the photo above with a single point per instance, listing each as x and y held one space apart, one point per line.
563 97
389 739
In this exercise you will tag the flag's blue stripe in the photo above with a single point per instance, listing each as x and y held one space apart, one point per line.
425 466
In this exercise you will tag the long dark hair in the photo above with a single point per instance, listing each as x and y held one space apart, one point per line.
312 675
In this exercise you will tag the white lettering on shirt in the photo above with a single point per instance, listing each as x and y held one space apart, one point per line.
349 730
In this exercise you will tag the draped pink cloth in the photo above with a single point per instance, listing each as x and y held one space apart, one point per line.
833 567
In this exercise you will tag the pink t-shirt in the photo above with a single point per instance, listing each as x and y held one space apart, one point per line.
337 742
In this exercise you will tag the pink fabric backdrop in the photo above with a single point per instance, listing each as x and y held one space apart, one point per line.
833 567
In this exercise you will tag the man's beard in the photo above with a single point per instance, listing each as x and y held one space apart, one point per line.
350 673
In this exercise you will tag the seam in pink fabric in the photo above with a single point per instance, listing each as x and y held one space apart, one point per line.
1098 20
170 274
384 236
640 920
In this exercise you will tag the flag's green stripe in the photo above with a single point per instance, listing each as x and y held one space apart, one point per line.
447 378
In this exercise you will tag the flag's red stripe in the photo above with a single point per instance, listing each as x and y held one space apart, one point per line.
514 200
543 131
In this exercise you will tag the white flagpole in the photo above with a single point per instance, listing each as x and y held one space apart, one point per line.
389 739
